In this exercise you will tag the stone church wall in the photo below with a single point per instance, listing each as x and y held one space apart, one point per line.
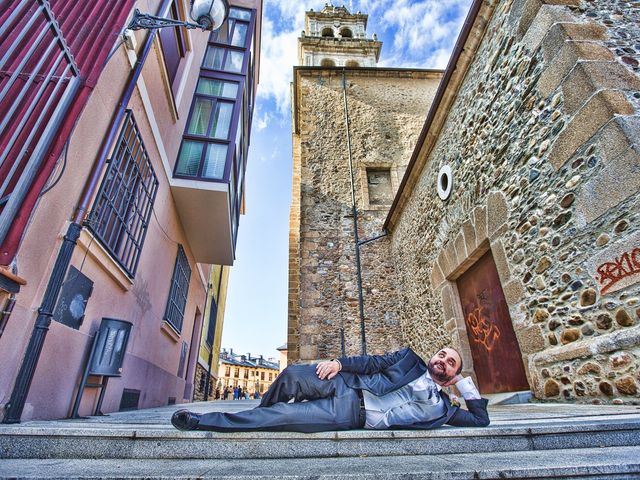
387 110
542 139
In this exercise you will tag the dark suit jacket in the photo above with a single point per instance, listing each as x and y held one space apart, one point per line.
381 374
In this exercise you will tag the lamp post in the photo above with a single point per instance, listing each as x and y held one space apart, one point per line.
207 15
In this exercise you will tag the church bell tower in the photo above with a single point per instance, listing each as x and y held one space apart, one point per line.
334 37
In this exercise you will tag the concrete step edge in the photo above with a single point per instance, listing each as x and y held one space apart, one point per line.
138 431
611 463
232 446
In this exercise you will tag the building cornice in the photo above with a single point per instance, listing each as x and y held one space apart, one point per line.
340 45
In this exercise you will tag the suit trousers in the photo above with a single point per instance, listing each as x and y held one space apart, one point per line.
317 406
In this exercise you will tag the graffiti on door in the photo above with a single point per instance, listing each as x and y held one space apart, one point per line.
483 330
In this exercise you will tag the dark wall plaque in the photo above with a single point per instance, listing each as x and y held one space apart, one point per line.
75 293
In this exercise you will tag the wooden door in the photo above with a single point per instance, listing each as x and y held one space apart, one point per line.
496 355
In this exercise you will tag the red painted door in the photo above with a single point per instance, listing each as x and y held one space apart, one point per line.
496 355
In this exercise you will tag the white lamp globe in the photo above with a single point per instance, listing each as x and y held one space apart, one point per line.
209 14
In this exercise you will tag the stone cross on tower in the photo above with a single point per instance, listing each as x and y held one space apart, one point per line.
336 38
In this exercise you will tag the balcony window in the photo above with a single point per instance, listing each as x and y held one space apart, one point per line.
217 88
177 301
198 159
239 37
220 58
210 118
239 14
215 140
124 203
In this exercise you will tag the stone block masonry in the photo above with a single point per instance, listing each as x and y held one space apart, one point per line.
386 108
542 138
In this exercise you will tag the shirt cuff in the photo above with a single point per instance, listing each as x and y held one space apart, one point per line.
339 363
467 389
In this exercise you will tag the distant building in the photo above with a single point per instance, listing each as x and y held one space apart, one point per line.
252 374
283 356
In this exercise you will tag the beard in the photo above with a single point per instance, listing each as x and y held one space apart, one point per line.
438 371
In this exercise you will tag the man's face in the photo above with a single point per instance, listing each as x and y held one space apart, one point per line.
444 365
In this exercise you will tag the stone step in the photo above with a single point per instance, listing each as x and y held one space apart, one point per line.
141 441
594 463
148 434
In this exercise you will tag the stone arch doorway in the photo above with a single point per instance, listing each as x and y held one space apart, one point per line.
479 296
492 341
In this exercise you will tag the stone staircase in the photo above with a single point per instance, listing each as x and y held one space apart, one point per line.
523 441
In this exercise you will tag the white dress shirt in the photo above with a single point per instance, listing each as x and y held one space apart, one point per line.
418 401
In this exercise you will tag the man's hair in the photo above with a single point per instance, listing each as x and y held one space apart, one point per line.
459 371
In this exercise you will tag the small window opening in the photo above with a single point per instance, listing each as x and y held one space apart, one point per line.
351 63
346 33
379 186
327 62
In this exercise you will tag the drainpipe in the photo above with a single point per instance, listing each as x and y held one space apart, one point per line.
30 361
354 212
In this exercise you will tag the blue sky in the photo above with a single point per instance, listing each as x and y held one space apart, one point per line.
418 34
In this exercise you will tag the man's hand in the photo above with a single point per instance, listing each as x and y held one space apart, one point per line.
453 381
327 370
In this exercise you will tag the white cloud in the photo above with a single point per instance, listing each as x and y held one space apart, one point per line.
282 23
263 120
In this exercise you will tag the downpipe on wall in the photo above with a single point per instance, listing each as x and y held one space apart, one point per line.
22 385
354 212
358 243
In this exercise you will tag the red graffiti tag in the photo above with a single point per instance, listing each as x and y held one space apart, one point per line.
610 273
483 331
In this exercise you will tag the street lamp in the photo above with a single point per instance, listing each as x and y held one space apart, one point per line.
207 15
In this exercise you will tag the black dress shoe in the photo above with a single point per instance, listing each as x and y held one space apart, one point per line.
185 420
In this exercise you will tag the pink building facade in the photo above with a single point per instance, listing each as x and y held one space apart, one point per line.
149 178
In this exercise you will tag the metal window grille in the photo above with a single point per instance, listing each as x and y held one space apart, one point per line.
174 313
123 207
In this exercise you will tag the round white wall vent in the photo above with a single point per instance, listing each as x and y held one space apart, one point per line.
445 182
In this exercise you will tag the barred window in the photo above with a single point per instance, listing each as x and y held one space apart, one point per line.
174 313
124 203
